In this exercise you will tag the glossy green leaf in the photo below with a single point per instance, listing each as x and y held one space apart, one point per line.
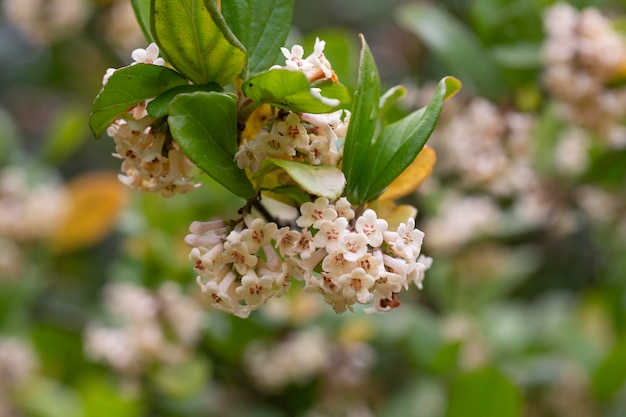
159 107
262 27
320 180
399 143
204 124
289 90
128 87
196 40
483 393
362 122
458 50
142 13
389 99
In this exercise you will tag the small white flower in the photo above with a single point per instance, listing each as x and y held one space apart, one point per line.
150 55
314 214
373 227
254 290
305 246
356 284
336 264
344 208
329 234
407 241
353 245
259 233
285 241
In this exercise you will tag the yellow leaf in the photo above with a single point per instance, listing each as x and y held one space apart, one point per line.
413 176
256 121
394 214
95 202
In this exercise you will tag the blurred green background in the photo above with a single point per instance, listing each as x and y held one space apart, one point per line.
522 314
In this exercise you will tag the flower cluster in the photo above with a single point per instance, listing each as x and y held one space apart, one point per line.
315 66
159 327
23 217
583 49
487 147
152 161
311 138
346 259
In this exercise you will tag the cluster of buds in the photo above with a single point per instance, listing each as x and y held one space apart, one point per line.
346 259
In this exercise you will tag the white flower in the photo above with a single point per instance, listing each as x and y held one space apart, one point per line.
293 129
344 208
407 241
356 284
150 55
305 246
221 293
254 290
353 245
336 264
237 252
314 214
258 233
329 234
372 227
286 240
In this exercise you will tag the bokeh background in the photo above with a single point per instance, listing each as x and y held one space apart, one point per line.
522 314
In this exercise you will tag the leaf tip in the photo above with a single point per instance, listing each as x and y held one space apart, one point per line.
453 86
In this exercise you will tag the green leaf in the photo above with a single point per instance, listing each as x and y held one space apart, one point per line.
289 90
458 50
159 107
362 122
262 27
128 87
288 194
320 180
196 40
142 13
389 99
333 90
400 142
483 393
204 124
